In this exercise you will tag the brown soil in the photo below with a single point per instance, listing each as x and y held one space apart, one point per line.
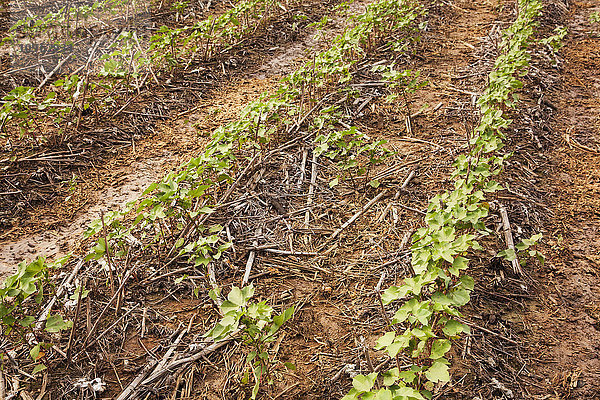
564 320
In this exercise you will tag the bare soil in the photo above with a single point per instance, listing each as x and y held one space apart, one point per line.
564 320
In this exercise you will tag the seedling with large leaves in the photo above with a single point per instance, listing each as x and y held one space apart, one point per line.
258 329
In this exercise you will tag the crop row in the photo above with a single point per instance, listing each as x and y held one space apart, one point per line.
427 304
126 66
190 195
62 18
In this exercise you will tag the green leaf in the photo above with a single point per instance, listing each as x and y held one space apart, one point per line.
508 254
453 328
521 246
38 368
407 376
236 296
229 320
385 340
257 372
384 394
227 307
422 312
352 395
25 322
206 210
541 258
393 293
536 238
39 297
279 320
214 294
180 279
290 366
438 372
56 323
215 228
391 377
75 296
248 292
403 312
492 186
364 383
460 297
408 393
218 332
467 282
150 188
459 264
35 352
399 344
439 348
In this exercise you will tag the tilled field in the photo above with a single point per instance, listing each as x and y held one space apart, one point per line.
371 200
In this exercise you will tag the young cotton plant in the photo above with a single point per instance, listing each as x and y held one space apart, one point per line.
34 25
355 152
400 83
523 249
126 59
213 35
258 328
348 147
22 106
556 41
21 297
335 65
176 204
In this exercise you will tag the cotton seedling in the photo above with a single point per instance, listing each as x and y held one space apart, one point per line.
259 328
